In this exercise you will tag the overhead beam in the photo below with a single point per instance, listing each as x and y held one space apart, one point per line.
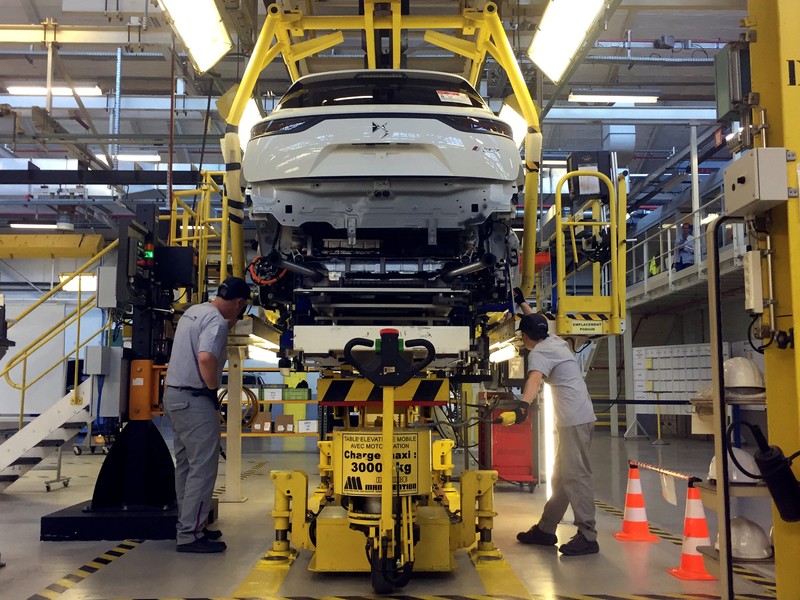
86 35
68 177
50 246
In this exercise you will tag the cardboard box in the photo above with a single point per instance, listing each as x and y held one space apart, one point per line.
263 422
308 426
284 424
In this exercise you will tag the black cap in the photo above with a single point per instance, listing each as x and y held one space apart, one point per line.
534 326
234 287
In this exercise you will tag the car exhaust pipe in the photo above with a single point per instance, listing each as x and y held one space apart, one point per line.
487 260
313 274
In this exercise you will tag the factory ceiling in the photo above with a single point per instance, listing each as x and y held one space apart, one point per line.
126 49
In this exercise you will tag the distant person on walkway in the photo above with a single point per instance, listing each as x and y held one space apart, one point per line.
551 360
190 401
684 248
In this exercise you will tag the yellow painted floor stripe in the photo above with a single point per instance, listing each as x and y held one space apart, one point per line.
264 580
499 578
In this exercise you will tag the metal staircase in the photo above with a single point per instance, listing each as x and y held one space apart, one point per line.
49 431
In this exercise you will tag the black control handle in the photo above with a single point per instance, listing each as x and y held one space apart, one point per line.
387 366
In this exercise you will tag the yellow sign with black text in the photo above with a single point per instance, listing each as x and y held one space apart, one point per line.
359 462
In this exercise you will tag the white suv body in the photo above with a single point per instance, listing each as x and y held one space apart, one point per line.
383 197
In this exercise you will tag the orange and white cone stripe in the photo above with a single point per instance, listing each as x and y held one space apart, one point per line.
634 521
695 533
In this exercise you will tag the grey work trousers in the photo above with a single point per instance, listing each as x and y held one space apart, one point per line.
196 427
572 482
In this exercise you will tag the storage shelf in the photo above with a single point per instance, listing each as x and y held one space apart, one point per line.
708 492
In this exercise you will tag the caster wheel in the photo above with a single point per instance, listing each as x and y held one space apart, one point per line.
92 449
77 450
65 483
105 449
47 487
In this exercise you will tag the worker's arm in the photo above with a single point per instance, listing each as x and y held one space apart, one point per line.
519 300
532 385
207 363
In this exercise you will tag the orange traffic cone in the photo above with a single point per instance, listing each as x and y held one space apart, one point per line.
695 533
634 522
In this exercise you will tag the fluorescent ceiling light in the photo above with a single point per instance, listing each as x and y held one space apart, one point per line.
708 218
554 163
561 33
86 282
612 97
30 90
262 355
200 27
519 127
503 353
138 157
33 226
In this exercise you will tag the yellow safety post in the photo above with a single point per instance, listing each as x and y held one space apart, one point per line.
288 512
774 53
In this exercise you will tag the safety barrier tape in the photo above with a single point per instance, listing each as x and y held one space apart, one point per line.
54 590
677 540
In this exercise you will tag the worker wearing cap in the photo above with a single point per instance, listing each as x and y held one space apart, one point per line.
551 360
190 401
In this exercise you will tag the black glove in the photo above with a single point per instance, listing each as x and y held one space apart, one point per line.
519 297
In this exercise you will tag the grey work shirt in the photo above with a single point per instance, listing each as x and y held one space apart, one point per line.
553 358
201 329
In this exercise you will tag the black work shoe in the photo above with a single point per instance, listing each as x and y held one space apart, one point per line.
534 535
211 534
578 546
202 545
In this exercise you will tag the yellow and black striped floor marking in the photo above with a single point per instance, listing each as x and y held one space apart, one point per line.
743 572
500 597
245 474
54 590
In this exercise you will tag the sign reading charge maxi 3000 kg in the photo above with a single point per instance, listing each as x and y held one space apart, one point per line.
360 461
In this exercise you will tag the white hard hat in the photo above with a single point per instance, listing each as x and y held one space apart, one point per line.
742 377
734 474
748 540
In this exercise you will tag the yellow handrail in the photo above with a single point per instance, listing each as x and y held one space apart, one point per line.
202 223
43 339
61 285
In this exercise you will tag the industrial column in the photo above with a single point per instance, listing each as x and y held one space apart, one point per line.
775 66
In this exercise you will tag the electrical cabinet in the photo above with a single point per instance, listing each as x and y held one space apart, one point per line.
756 182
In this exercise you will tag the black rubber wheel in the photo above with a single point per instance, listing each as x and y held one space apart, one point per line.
77 450
380 584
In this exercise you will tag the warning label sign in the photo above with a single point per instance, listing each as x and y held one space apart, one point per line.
362 464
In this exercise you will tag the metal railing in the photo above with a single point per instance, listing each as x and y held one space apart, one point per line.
23 356
195 226
656 255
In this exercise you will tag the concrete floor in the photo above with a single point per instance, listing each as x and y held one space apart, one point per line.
154 570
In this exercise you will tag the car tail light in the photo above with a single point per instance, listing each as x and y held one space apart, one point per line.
278 126
479 125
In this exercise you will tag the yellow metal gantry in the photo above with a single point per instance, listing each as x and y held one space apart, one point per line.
774 54
482 34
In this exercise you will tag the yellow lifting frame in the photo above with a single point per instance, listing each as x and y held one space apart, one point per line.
612 304
279 27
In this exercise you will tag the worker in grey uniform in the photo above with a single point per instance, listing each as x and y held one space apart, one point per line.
190 401
551 360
